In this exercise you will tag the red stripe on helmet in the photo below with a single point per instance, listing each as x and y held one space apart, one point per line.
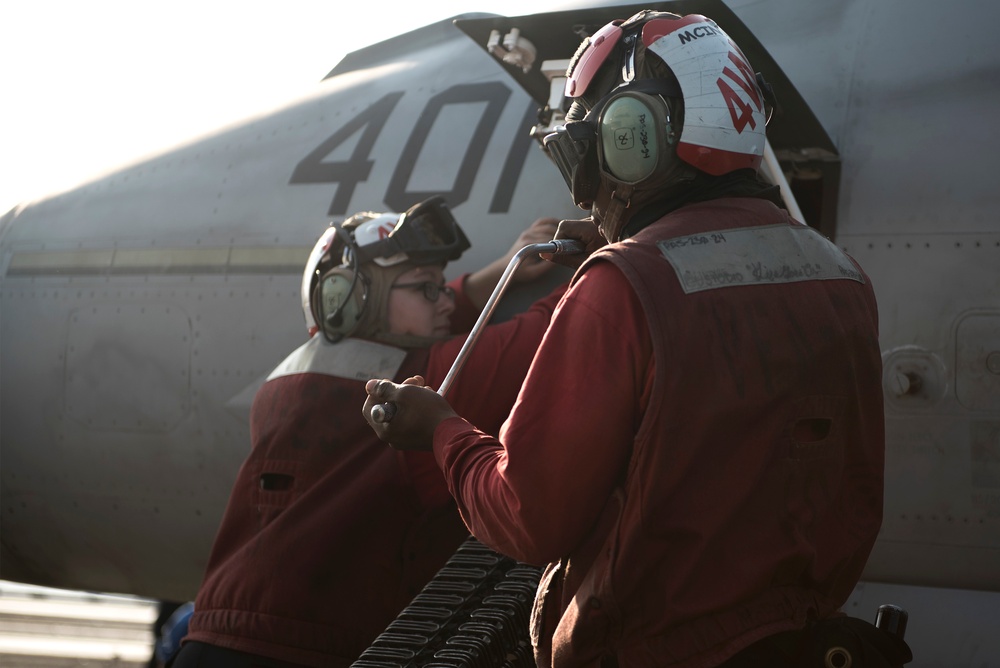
716 161
601 45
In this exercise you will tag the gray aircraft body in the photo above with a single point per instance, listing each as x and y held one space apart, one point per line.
140 312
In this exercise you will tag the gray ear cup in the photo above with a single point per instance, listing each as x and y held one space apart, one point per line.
630 139
339 310
635 133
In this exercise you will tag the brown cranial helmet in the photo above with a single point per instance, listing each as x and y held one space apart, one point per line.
347 278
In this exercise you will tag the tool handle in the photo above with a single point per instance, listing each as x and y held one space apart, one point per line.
556 247
382 413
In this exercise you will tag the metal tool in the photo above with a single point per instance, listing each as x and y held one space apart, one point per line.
382 413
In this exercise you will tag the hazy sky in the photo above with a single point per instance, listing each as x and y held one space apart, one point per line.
86 86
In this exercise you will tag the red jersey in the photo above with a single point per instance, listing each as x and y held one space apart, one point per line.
697 450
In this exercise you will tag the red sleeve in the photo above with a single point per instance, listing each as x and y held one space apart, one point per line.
486 387
466 313
534 493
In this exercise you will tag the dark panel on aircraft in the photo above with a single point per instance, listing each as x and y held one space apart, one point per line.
401 46
794 131
556 35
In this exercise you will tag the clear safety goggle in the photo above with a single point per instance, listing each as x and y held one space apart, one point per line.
426 234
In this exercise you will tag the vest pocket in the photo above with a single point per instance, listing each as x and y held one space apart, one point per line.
276 484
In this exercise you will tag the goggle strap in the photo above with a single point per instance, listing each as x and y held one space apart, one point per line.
664 87
386 247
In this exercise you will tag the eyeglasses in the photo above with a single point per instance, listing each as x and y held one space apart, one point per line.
431 290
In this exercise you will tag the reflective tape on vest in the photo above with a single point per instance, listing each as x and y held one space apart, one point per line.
755 256
355 359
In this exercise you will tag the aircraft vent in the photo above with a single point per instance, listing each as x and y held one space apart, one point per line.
472 614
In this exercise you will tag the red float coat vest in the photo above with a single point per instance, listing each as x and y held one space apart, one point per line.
754 492
739 490
329 532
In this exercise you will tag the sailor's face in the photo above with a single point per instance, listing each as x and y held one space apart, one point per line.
410 309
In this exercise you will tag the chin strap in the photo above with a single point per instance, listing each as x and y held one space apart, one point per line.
614 217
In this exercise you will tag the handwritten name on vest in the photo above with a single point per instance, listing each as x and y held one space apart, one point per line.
761 255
